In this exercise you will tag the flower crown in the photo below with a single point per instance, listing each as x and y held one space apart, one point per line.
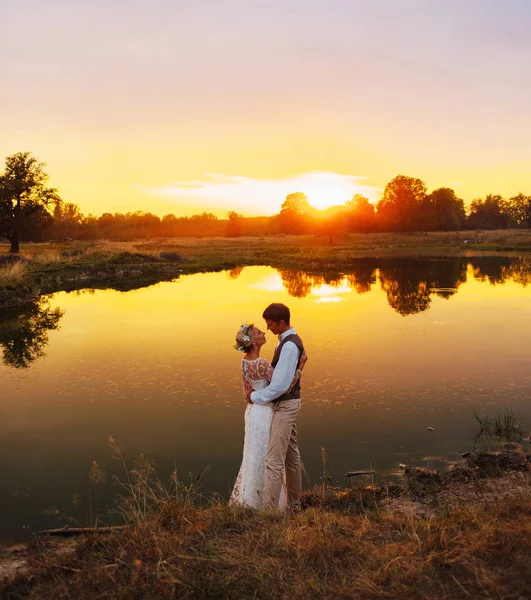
245 338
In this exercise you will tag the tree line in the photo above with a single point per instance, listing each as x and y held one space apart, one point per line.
30 210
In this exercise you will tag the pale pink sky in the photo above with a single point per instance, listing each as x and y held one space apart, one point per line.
132 103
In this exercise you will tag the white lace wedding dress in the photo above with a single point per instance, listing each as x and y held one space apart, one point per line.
250 484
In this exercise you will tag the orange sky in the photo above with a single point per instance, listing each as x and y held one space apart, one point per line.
182 107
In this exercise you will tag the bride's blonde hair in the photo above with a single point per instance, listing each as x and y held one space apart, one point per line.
244 337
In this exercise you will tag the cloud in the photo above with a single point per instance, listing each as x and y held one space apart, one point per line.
221 193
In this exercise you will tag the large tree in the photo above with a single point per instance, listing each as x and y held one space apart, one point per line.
294 213
401 204
67 220
490 213
443 211
360 214
234 225
23 192
519 207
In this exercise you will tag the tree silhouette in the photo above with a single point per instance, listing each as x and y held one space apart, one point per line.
67 218
405 206
442 210
400 206
23 193
294 212
360 214
296 203
24 335
491 213
519 208
234 226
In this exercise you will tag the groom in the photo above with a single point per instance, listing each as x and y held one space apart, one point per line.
283 452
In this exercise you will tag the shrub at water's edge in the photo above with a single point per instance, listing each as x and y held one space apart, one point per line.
15 285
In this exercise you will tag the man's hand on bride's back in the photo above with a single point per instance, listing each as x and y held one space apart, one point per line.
304 360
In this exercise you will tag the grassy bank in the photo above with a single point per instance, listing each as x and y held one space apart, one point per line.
466 533
46 268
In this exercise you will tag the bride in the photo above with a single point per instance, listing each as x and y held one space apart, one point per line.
257 372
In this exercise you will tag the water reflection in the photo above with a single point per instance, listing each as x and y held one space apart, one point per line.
499 269
410 284
155 368
24 332
235 273
361 276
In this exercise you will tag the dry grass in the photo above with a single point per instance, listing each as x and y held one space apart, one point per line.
353 245
51 257
478 551
473 544
308 252
13 274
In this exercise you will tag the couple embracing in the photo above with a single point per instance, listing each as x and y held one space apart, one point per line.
270 473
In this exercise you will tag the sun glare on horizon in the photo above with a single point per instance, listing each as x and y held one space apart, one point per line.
220 193
325 196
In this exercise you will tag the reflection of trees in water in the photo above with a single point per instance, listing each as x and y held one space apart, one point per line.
409 283
235 273
359 277
362 277
297 283
500 269
24 334
406 297
521 272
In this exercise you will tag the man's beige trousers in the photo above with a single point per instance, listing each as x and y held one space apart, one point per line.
283 453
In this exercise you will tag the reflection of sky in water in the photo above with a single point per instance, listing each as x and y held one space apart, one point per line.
272 282
328 293
156 369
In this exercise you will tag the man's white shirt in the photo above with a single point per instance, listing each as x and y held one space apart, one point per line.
283 373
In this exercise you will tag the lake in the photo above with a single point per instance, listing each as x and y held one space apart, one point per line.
396 347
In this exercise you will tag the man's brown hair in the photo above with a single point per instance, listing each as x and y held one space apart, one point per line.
277 312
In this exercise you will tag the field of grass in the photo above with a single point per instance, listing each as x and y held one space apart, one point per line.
53 267
356 245
459 535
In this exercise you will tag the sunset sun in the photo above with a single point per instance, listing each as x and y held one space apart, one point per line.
325 196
